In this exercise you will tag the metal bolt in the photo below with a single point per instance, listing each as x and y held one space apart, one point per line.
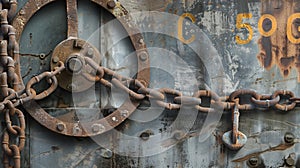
42 56
106 153
97 128
60 127
74 64
114 119
290 160
111 4
76 130
22 12
141 41
143 56
90 52
253 161
124 113
55 59
145 136
289 138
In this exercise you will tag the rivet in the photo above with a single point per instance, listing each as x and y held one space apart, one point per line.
289 138
55 59
253 161
124 113
98 128
106 153
290 160
111 4
60 127
76 130
90 52
22 12
114 119
141 41
143 56
145 136
42 56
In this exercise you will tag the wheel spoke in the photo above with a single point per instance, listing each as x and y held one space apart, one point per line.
72 18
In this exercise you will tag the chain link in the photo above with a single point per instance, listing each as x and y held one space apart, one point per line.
12 90
13 140
171 99
13 93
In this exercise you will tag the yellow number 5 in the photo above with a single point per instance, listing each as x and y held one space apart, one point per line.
241 25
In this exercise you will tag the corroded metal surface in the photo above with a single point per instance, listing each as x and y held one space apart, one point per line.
31 7
254 54
72 52
71 83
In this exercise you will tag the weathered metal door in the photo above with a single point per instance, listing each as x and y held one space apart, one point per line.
184 83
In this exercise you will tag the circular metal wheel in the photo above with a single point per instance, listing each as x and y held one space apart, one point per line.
71 51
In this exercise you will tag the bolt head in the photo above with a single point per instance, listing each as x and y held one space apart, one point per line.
143 56
74 64
124 113
55 59
253 161
290 161
22 12
106 153
90 52
60 127
289 138
145 136
76 130
97 128
111 4
114 119
141 41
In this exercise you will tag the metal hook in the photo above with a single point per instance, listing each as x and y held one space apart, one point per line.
235 139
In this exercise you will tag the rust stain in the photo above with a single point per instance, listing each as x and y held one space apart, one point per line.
277 49
280 147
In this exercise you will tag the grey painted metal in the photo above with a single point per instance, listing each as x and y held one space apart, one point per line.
265 129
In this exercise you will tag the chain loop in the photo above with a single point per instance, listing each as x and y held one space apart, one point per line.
287 105
12 93
51 79
171 105
265 101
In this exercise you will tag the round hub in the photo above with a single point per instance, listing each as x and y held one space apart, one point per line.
72 52
74 64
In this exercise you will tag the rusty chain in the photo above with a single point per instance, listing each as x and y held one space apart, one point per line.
171 99
13 93
12 90
282 100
